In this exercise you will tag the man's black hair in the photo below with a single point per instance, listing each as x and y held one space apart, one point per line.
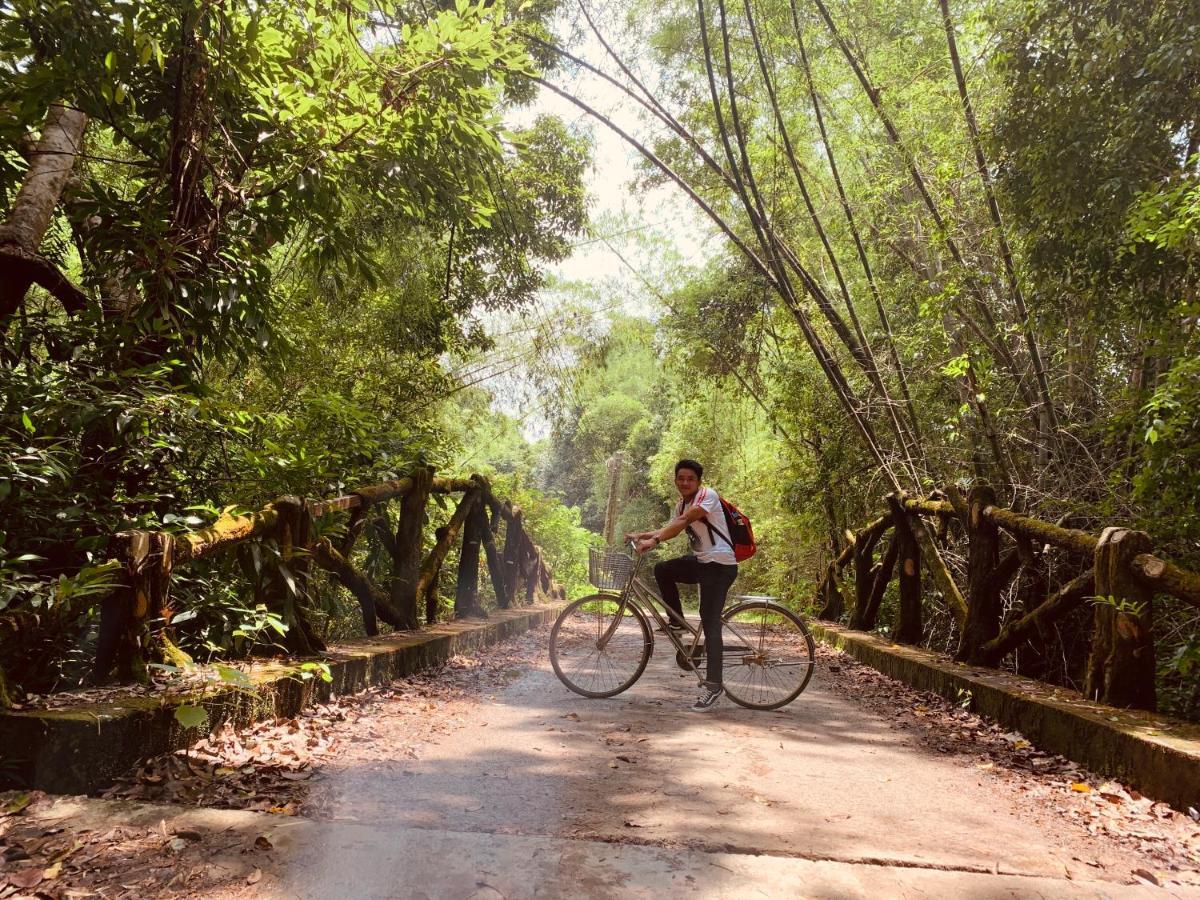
690 464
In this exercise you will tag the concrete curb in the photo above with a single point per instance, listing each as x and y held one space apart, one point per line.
1156 754
81 749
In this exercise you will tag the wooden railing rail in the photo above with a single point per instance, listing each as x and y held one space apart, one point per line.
1123 577
150 558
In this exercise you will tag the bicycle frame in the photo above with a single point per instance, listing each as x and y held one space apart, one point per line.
778 637
642 596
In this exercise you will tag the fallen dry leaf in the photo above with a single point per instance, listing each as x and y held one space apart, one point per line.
1147 875
26 878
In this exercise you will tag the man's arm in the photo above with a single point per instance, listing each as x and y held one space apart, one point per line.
652 539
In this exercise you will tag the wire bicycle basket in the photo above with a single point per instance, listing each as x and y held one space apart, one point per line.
609 569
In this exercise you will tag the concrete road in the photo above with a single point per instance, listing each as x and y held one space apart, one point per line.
537 792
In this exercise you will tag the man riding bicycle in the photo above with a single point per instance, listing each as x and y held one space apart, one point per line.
711 565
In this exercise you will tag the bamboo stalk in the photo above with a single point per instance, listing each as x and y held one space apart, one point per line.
865 355
1010 270
860 248
918 179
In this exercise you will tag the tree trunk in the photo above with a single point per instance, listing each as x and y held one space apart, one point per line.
1047 415
611 509
29 218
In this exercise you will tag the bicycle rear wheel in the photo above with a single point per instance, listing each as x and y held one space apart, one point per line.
769 655
588 664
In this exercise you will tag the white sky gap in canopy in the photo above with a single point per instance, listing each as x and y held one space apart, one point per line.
619 213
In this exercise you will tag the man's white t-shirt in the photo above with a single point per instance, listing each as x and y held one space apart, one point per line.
710 546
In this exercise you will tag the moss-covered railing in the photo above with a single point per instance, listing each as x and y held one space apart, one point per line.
148 559
1116 568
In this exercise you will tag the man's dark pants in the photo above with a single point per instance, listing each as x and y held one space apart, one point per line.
715 580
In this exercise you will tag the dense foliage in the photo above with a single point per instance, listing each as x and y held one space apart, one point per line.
959 247
282 225
871 282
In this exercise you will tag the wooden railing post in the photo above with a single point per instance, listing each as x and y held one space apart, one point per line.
908 627
864 575
870 612
983 586
544 580
406 549
466 593
430 594
148 559
1120 669
288 586
529 567
512 554
494 566
834 604
432 565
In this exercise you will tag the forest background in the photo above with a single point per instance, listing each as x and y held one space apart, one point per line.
296 248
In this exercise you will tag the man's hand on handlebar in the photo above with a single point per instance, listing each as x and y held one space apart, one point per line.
644 545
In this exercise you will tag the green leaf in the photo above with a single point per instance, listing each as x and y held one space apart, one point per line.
233 676
110 60
17 803
289 579
190 716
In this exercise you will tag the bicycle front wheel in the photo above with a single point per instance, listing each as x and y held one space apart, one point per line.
591 656
769 655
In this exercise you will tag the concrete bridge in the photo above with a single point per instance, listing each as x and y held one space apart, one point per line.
521 789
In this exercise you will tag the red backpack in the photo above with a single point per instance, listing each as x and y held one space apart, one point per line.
741 535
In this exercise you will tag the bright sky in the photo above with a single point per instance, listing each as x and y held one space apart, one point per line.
659 232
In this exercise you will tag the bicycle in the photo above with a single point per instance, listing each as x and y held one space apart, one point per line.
600 644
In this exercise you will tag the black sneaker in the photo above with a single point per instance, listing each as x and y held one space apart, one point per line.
708 697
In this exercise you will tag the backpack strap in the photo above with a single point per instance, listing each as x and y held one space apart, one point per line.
711 528
719 532
714 529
